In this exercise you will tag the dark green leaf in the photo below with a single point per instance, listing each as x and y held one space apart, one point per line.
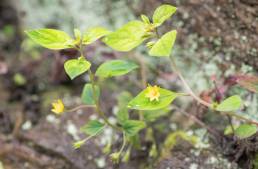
87 94
93 127
115 68
132 127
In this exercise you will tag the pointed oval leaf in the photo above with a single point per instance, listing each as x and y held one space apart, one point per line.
127 37
164 45
132 127
51 38
93 34
141 102
87 94
245 131
76 67
115 68
92 127
163 13
232 103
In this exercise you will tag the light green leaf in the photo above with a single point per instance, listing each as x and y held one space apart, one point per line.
141 102
145 19
93 34
76 67
87 94
115 68
127 37
51 38
228 130
132 127
232 103
93 127
245 131
163 13
123 100
164 45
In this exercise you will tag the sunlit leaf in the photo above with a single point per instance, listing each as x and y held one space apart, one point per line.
132 127
164 45
115 68
245 131
93 34
163 13
141 102
87 94
232 103
51 38
92 127
76 67
145 19
127 37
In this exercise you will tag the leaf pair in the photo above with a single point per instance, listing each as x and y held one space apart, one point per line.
135 32
56 39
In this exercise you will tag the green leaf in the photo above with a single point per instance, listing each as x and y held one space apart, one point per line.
87 94
132 127
51 38
232 103
164 45
245 131
76 67
228 130
93 127
145 19
115 68
123 100
141 102
93 34
154 114
163 13
127 37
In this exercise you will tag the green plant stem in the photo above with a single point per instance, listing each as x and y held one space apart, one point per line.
98 109
124 143
80 107
101 114
189 90
240 117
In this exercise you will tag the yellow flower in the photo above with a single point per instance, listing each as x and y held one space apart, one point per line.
153 93
58 107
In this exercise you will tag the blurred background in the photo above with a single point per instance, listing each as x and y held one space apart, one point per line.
217 41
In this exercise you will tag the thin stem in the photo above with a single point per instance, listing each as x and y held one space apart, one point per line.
232 114
80 107
176 70
98 109
124 143
101 114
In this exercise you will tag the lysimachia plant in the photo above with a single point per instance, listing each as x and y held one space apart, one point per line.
150 102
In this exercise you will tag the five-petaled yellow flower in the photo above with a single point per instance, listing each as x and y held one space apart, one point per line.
153 93
58 107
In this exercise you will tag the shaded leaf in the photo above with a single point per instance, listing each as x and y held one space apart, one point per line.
93 127
232 103
127 37
162 13
51 38
132 127
123 100
245 131
87 94
76 67
115 68
164 45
